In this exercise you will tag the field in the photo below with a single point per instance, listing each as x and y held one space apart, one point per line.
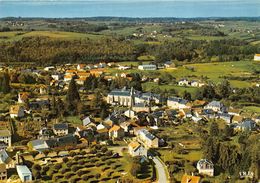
214 71
17 35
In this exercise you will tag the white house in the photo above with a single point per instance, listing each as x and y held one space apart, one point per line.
183 82
121 67
216 106
177 103
257 57
61 129
136 149
205 167
147 67
148 139
24 173
116 132
130 113
5 136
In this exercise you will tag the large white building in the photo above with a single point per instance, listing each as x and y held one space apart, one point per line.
257 57
147 67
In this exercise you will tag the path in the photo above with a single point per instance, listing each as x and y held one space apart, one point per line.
161 172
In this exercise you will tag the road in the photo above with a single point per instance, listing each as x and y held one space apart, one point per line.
162 174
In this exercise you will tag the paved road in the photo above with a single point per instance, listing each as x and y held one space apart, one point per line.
162 174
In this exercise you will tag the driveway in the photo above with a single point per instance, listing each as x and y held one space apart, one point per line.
161 173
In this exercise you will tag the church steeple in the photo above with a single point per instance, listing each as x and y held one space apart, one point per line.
132 97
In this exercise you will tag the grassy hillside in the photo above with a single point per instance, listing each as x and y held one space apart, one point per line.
17 35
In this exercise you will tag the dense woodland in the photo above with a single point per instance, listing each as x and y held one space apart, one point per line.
44 50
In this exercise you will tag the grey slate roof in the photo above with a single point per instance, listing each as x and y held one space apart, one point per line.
61 126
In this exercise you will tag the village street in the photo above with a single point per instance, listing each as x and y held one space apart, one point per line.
161 173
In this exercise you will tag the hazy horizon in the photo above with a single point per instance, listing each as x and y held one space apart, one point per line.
127 8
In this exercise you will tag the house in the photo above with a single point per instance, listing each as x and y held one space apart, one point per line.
196 83
38 145
216 106
150 67
81 67
3 172
61 129
23 97
234 112
205 167
257 57
246 125
5 136
43 89
190 179
102 133
16 111
88 121
6 160
169 64
24 173
130 113
83 132
116 132
177 103
198 103
187 113
183 82
56 76
136 149
148 139
226 117
121 67
45 133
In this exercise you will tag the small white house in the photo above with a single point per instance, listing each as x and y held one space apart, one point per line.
130 113
24 173
5 136
205 167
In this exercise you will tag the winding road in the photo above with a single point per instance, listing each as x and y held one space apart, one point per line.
161 171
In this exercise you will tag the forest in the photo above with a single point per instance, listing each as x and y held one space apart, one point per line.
44 50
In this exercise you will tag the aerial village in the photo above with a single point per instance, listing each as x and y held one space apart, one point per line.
40 142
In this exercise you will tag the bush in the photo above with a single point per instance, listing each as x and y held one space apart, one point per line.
68 175
109 153
98 154
74 168
85 177
104 149
65 160
81 162
97 176
72 153
57 166
80 173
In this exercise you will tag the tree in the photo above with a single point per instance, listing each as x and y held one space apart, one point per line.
5 83
72 97
135 169
224 89
186 95
214 129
